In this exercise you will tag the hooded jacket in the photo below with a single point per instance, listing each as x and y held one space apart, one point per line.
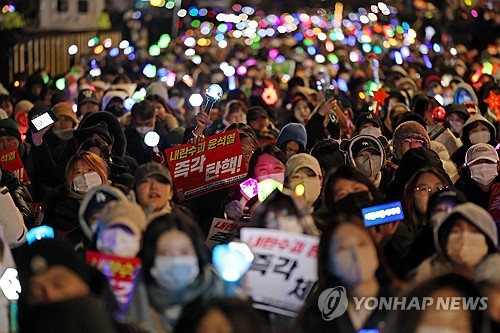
458 156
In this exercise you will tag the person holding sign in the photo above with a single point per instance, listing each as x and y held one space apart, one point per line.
348 260
176 268
10 138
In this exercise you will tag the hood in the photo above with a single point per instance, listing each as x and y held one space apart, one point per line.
464 134
346 146
114 128
475 215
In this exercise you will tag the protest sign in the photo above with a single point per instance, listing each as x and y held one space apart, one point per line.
215 163
11 160
283 271
224 231
122 274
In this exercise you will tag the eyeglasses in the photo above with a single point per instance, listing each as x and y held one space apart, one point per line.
428 190
412 142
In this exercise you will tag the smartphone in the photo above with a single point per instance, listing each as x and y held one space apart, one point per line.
382 214
40 121
329 93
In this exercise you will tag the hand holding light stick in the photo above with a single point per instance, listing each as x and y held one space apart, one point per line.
152 139
214 93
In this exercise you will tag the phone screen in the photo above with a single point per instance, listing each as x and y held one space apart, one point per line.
381 214
42 121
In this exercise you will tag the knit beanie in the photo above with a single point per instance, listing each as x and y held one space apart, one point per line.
123 212
409 130
9 127
292 132
23 105
65 109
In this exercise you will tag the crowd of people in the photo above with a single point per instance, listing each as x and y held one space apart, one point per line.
349 135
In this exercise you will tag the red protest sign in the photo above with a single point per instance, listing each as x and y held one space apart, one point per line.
215 163
494 206
122 274
11 160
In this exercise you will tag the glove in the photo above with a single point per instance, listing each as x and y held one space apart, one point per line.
234 210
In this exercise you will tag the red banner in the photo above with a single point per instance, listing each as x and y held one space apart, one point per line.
11 160
122 274
215 163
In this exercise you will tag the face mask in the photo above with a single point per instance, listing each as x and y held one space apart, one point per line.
369 165
466 248
118 242
353 203
86 182
175 273
176 102
279 177
312 189
480 137
355 265
64 134
484 174
142 130
456 126
373 131
435 329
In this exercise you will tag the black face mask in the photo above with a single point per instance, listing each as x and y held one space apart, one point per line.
352 203
84 314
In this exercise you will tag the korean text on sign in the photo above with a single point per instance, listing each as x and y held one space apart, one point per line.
224 231
11 160
215 163
283 271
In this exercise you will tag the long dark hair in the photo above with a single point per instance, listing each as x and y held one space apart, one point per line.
177 220
412 216
347 172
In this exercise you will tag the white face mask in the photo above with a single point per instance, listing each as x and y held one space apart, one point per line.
142 130
312 189
175 273
456 126
86 182
118 242
283 222
63 134
279 177
484 173
369 165
480 137
373 131
436 218
466 248
354 265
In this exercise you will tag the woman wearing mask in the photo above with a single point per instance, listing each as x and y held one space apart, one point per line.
465 237
476 129
347 258
176 268
267 162
412 241
303 176
480 174
84 171
433 318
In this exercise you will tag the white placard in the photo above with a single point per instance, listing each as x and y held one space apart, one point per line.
283 271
